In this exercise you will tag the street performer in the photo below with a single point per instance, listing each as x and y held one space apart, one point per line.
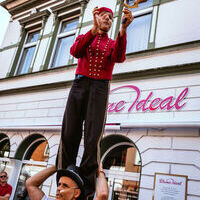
87 100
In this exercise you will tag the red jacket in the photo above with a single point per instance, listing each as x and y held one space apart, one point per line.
98 54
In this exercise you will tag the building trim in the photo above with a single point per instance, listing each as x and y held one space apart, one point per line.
148 125
10 47
146 52
165 1
135 75
18 53
21 6
38 17
51 46
153 27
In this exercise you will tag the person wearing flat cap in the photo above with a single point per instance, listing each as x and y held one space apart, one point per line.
70 185
88 97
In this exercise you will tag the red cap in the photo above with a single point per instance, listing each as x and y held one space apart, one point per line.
104 9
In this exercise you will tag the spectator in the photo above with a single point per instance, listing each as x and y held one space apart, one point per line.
5 188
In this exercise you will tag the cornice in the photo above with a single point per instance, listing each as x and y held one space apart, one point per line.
20 6
36 17
67 4
68 8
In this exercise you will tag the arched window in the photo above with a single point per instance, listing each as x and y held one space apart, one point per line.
122 164
4 151
34 154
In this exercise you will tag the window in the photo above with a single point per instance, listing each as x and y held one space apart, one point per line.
34 160
28 53
122 165
4 151
65 39
139 30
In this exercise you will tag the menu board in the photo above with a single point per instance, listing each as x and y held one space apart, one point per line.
170 187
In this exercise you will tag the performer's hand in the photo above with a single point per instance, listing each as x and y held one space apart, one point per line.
95 20
128 17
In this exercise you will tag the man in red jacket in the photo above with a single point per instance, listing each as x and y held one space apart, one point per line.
87 101
5 188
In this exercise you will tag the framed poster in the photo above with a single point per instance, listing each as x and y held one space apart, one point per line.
170 187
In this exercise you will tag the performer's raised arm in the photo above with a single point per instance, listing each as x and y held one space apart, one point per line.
119 52
33 183
82 42
102 190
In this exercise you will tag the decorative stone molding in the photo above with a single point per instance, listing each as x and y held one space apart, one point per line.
69 8
15 7
35 20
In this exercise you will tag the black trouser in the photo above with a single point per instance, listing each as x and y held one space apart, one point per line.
87 103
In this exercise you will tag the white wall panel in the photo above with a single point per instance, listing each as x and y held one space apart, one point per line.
153 142
194 91
10 38
171 156
145 194
25 105
34 97
93 3
6 60
180 132
58 112
194 187
191 143
167 59
187 116
147 182
14 114
41 54
52 103
153 167
62 74
177 22
49 25
189 170
36 113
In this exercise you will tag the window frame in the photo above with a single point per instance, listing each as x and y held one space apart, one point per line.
140 13
61 35
26 46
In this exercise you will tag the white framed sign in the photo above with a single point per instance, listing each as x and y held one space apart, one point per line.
170 187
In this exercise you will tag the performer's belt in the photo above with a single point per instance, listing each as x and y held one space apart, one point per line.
79 76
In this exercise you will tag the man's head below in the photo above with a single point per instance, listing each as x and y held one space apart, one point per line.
3 177
105 19
70 185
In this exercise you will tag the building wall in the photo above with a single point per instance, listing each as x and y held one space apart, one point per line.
167 150
35 102
46 107
177 15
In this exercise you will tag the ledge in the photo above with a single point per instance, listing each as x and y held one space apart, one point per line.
43 79
158 125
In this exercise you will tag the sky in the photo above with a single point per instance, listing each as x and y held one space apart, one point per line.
4 20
